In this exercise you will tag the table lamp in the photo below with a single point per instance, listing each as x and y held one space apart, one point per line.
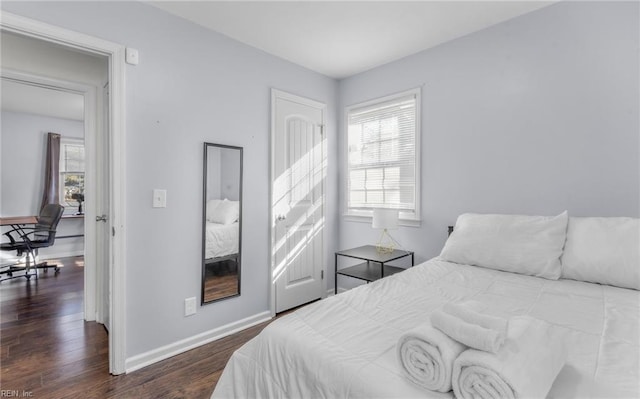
385 219
80 198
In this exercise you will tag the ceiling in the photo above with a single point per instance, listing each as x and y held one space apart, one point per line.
32 99
340 39
337 39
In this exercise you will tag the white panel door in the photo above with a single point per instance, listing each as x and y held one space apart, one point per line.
298 173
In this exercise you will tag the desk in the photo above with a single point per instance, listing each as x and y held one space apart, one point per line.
17 220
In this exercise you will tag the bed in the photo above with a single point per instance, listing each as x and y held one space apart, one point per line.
345 345
222 231
221 240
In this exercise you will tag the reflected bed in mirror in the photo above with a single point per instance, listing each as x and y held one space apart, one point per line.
222 222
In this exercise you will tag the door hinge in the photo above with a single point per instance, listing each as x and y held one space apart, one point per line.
321 274
321 129
113 231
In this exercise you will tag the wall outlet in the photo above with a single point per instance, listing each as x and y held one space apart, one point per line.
190 306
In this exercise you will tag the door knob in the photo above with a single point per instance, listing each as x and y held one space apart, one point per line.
281 218
101 218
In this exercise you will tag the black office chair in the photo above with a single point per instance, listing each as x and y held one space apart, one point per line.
27 240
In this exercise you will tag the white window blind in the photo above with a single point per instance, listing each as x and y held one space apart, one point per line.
382 160
72 167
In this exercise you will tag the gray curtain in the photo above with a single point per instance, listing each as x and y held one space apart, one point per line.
51 193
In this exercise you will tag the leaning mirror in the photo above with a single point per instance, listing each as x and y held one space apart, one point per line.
222 222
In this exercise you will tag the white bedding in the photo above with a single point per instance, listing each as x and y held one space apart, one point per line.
221 239
344 346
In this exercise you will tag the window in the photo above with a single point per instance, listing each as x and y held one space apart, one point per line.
383 155
72 175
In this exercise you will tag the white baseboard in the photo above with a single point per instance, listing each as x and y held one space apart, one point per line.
60 254
65 254
153 356
42 257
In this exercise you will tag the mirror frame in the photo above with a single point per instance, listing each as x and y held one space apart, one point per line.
204 221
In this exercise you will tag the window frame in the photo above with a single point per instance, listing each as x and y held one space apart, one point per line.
70 208
365 216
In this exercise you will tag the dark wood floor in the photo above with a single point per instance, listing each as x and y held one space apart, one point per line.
220 280
48 351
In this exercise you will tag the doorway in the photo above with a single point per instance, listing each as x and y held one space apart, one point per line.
298 173
109 250
32 106
37 100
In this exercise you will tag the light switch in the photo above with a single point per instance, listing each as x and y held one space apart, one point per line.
159 198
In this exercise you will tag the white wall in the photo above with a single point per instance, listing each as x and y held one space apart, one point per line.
191 86
535 115
23 140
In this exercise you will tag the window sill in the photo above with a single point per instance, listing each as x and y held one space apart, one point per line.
72 216
368 219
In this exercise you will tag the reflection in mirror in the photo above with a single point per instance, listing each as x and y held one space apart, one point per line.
222 221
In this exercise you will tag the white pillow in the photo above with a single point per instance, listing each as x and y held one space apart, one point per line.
603 250
514 243
226 212
212 204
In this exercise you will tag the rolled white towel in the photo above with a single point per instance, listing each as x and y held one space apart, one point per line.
472 312
427 355
525 367
471 328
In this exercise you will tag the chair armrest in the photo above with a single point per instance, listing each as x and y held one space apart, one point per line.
11 239
20 232
24 235
18 229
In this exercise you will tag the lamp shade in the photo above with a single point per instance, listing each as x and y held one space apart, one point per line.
385 219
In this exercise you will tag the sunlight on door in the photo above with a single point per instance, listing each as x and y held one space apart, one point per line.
298 193
298 198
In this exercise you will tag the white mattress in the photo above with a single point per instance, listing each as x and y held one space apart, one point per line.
221 240
344 346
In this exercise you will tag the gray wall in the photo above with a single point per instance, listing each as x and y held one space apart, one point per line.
191 86
40 58
223 173
230 174
23 140
535 115
213 173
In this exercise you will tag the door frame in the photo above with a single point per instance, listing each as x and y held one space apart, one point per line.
90 123
115 187
275 95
